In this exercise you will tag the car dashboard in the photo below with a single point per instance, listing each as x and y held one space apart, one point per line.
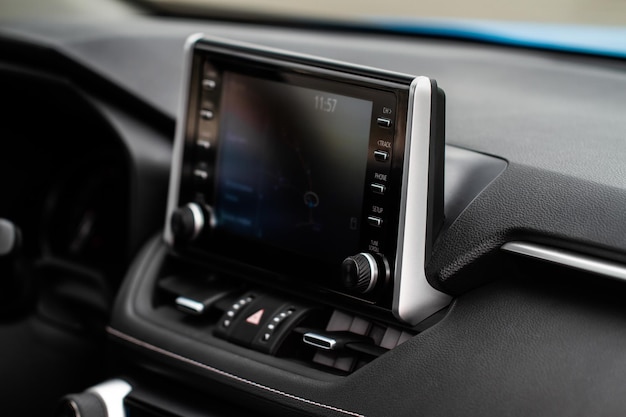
529 253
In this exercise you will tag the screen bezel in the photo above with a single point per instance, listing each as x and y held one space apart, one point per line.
293 267
412 190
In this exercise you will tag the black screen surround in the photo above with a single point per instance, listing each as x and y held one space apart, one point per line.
307 161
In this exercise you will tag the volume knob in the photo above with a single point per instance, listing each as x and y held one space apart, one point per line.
187 223
360 272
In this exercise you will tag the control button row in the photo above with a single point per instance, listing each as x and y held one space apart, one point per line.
381 155
207 127
275 322
378 187
235 309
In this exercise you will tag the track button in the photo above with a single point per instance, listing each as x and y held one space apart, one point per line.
381 156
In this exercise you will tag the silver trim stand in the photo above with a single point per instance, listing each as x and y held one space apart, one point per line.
414 299
179 140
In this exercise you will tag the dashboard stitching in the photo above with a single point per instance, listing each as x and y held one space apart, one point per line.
189 361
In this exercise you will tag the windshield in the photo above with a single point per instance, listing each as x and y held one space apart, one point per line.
595 12
591 27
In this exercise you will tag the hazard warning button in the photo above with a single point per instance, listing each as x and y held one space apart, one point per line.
256 318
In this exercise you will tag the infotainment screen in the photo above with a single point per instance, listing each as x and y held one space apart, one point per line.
291 166
309 173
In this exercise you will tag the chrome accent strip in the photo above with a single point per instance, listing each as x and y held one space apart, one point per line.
374 271
319 341
414 299
210 216
75 408
245 48
232 377
179 140
112 393
208 84
189 306
198 219
203 175
374 221
378 188
566 258
382 156
206 114
7 243
203 144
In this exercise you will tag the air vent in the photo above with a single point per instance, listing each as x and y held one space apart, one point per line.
349 341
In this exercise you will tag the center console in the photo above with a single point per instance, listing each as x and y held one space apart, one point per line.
305 198
296 180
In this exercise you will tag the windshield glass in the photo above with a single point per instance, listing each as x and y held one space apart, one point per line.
596 12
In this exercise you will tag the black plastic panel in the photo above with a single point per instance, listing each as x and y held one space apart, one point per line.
507 348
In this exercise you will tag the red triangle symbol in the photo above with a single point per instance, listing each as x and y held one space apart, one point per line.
256 317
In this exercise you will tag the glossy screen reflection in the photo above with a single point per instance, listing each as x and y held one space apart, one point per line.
291 166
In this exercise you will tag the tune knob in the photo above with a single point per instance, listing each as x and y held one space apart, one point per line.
360 273
188 221
79 405
103 400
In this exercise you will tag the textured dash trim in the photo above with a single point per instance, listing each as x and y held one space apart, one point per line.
192 362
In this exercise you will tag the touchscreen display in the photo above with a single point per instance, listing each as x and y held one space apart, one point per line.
291 166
